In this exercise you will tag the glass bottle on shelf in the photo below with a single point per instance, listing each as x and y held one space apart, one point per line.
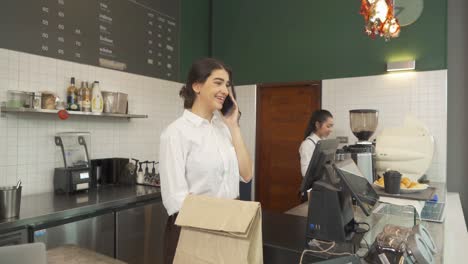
72 103
79 97
85 98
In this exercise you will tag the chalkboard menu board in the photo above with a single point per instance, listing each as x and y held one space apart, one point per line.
137 36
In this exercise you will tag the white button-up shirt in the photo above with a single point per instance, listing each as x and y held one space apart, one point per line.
197 156
306 150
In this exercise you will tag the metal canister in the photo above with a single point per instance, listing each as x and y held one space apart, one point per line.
18 99
10 201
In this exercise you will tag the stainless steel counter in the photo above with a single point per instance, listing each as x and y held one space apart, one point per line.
47 207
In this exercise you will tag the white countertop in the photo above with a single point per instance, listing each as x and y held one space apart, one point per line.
455 235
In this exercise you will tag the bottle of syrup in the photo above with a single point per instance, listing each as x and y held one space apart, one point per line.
72 102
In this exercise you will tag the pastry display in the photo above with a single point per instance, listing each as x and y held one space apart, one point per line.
405 183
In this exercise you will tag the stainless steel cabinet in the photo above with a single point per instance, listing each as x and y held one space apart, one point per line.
14 238
140 234
93 232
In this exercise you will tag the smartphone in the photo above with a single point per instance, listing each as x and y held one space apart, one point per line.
228 103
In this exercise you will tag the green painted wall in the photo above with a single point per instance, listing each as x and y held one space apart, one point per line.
279 41
195 33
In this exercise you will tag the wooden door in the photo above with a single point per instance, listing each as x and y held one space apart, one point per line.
283 111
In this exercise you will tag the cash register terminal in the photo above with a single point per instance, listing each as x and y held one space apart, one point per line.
334 187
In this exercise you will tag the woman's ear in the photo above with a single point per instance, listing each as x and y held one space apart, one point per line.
196 87
317 125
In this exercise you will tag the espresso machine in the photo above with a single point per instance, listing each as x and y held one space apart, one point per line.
363 124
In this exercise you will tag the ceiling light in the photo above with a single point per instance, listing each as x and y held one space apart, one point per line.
401 65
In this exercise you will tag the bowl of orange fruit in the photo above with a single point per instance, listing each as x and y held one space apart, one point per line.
406 185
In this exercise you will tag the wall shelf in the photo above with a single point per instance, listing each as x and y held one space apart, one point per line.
5 109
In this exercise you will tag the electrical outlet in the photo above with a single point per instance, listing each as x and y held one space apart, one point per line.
343 140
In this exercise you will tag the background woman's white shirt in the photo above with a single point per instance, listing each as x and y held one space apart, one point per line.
306 150
197 156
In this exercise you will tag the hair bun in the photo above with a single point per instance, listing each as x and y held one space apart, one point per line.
183 92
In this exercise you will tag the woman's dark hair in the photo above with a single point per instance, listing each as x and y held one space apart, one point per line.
319 116
199 72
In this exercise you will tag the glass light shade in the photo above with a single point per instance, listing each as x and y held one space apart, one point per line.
381 11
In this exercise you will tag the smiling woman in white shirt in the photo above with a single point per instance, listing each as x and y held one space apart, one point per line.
319 127
203 151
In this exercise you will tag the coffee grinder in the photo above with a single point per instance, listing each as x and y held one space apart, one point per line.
363 125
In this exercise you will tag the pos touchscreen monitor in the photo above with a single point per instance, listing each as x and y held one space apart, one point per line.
324 154
361 190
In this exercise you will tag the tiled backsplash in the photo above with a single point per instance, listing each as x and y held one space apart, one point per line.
28 151
27 147
422 94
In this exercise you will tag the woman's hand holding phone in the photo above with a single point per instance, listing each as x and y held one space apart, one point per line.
231 116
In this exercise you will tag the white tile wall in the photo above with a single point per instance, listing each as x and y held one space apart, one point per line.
422 94
247 101
27 149
26 141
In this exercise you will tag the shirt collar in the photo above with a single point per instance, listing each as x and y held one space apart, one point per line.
314 137
196 119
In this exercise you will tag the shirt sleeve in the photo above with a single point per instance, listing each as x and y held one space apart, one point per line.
172 160
305 151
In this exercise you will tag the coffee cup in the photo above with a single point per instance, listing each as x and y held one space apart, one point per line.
392 181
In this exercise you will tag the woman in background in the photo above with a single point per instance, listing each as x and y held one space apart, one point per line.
320 126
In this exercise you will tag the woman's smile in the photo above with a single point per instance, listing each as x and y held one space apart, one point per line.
220 99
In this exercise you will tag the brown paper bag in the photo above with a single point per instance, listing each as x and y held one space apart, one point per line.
219 231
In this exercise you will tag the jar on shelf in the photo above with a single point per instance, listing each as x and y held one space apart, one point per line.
48 100
18 99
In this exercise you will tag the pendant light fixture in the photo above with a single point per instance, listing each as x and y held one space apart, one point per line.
379 18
